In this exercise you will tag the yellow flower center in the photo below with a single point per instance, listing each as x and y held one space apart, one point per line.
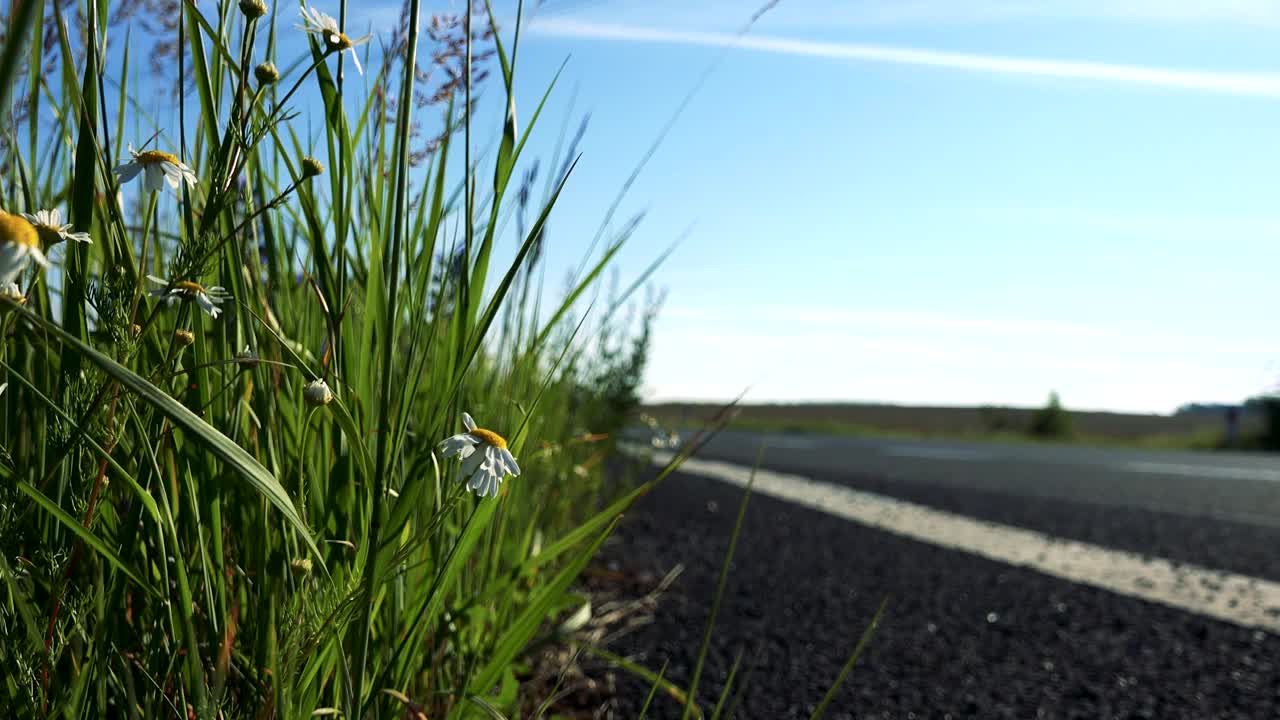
343 42
491 437
152 157
49 235
187 285
15 229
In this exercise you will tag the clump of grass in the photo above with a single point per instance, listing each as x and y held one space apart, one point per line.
223 495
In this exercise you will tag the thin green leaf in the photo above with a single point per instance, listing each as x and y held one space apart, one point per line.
93 541
215 442
848 665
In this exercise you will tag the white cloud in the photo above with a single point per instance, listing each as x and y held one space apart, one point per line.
1231 83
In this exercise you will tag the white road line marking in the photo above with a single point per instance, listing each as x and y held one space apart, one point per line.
935 453
1239 599
1228 473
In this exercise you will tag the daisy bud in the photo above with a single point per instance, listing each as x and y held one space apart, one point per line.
253 9
184 337
317 393
267 74
11 291
247 358
311 167
301 566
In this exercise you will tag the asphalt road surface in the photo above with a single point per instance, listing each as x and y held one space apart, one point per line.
1243 487
968 633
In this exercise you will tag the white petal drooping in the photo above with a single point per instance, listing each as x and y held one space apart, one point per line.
484 455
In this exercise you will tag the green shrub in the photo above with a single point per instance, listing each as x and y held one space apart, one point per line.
1052 420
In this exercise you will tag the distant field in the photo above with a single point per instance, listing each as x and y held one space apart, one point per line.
996 423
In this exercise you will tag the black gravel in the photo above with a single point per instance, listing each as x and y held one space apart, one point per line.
963 636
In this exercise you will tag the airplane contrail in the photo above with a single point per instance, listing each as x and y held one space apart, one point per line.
1230 83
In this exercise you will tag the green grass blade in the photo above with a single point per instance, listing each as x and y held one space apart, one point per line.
653 690
721 582
644 673
523 628
83 195
848 665
23 18
213 440
93 541
728 686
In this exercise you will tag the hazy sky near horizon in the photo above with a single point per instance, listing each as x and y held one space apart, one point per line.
925 201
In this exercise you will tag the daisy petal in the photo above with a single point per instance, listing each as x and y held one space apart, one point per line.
128 171
509 461
153 180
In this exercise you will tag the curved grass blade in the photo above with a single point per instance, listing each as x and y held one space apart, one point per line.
523 628
98 544
24 17
721 582
653 690
214 441
148 502
848 665
649 676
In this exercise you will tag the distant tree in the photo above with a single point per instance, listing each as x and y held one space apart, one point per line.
1052 420
1270 406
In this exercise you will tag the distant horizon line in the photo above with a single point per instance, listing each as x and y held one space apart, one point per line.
711 403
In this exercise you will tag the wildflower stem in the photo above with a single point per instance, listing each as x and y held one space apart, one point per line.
273 118
272 203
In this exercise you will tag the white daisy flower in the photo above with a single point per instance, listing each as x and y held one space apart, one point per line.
318 23
48 223
207 298
484 455
19 242
160 167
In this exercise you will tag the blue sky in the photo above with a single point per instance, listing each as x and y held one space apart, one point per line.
929 201
947 202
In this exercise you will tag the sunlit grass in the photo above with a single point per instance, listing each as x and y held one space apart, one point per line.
223 490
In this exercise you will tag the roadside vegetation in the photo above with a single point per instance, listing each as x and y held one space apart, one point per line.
289 425
288 429
1190 431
